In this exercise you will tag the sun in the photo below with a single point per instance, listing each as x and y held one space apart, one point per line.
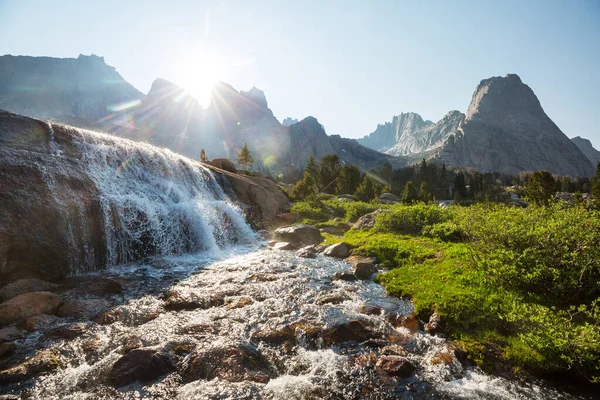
198 73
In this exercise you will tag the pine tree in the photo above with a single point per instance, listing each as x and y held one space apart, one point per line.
366 189
305 187
596 183
203 157
244 157
329 171
424 193
313 169
410 194
349 179
540 187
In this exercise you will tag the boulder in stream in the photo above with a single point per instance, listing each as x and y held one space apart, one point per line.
144 365
397 366
40 364
298 235
21 307
338 250
23 286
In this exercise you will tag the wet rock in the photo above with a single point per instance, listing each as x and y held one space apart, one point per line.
275 336
307 252
131 343
443 357
9 397
198 329
285 246
332 298
367 221
364 270
23 286
68 331
234 363
338 250
82 308
239 302
434 325
144 365
264 234
394 350
396 366
300 234
10 333
97 286
23 306
92 346
178 300
7 349
103 286
366 359
355 331
40 364
343 276
370 310
127 316
40 321
320 247
410 322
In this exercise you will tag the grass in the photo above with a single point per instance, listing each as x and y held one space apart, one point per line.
431 261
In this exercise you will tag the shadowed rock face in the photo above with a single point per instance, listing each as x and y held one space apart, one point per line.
84 89
63 209
586 148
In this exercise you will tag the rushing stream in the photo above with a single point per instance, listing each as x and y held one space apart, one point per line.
261 292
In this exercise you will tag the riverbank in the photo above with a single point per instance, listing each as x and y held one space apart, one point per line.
512 287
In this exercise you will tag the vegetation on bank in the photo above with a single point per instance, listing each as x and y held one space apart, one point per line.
519 285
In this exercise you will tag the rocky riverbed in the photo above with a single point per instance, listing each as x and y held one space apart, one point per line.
251 323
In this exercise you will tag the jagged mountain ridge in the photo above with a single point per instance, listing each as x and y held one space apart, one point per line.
586 148
99 98
504 130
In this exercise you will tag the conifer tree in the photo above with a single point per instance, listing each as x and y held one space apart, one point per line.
244 157
203 157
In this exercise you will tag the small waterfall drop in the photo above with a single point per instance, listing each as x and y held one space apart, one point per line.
155 202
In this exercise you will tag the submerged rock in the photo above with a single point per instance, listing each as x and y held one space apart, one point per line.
356 331
40 321
396 366
23 306
178 300
68 331
233 363
7 349
343 276
82 308
10 333
40 364
307 252
144 365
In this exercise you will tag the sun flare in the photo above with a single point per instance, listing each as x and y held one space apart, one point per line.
198 73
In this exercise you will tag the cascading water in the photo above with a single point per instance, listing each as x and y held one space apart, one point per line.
155 202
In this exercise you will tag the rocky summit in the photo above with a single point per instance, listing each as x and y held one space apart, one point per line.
586 148
504 130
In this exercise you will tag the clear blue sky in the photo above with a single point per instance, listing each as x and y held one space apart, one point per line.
351 64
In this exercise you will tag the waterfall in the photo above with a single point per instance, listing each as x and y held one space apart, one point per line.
155 202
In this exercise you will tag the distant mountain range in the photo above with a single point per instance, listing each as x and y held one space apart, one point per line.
504 130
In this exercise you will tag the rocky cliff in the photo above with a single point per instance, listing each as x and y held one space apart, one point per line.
586 148
84 89
73 201
394 133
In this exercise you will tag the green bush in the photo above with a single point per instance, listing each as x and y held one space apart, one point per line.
448 231
310 210
550 254
411 219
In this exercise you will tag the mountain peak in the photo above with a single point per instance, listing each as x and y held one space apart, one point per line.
504 95
256 95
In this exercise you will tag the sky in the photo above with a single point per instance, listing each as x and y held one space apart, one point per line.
351 64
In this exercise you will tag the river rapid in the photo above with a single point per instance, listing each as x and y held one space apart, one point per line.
268 335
